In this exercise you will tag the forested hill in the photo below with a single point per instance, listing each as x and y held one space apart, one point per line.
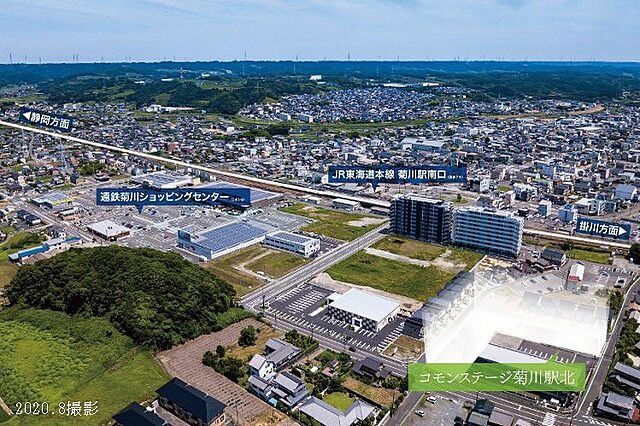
157 298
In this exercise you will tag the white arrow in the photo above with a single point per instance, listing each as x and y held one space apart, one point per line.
621 231
27 115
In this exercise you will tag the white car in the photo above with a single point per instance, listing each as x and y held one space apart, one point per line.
420 413
432 399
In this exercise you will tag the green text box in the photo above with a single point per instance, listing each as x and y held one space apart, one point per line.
550 376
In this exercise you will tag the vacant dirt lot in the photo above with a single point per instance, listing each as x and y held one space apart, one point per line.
185 362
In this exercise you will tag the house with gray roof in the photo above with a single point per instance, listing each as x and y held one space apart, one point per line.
284 388
626 376
617 407
328 415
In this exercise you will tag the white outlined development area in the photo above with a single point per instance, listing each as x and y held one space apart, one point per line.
535 310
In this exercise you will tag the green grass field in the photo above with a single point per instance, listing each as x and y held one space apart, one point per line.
277 263
19 241
585 253
468 258
589 255
7 272
340 400
331 223
393 277
242 282
49 356
273 263
14 243
338 127
410 248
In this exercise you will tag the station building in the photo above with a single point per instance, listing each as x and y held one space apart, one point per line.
362 309
298 244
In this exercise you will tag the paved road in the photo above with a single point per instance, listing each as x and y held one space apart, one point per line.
253 301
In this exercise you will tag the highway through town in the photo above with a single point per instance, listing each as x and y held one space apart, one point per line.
253 301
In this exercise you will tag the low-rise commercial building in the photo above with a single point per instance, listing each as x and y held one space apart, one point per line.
626 192
575 277
164 180
341 203
295 243
568 214
362 309
544 208
617 407
221 240
109 230
53 200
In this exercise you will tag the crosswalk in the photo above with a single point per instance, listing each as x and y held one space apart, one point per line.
549 419
597 422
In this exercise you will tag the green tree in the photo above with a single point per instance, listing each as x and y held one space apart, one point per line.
232 368
278 129
248 336
567 245
157 298
221 351
209 359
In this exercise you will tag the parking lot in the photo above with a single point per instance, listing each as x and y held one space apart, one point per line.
440 412
157 226
303 305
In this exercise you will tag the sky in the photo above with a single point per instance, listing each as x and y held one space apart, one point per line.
154 30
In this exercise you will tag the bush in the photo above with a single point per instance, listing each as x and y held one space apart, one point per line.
231 367
304 342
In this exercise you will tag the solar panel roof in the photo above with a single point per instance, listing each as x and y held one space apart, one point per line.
230 235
